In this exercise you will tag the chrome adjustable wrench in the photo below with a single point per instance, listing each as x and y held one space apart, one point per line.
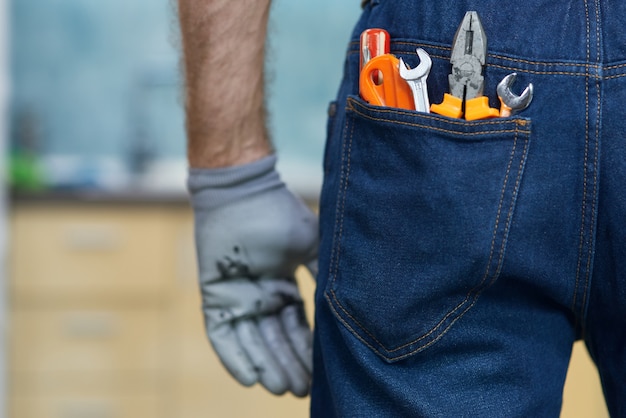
512 103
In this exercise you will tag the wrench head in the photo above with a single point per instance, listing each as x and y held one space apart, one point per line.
419 72
510 99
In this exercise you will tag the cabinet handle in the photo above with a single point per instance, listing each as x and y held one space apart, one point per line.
82 325
93 237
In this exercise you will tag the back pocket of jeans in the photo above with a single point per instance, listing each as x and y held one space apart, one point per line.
423 213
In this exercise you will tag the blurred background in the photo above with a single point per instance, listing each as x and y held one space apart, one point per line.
99 302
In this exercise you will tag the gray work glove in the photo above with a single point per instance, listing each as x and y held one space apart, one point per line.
251 235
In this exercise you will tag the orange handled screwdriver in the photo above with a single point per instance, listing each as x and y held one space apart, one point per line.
374 42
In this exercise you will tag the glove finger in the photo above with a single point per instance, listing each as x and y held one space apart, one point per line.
297 329
226 344
274 335
269 372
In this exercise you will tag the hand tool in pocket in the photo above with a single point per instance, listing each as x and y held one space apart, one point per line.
469 50
416 78
374 42
380 83
510 102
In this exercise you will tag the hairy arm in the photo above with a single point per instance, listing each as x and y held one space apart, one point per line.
251 232
223 47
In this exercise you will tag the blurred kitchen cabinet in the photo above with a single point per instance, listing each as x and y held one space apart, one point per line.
89 294
105 317
75 340
105 320
96 252
83 404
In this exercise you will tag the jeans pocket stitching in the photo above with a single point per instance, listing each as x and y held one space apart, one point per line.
499 236
353 106
340 206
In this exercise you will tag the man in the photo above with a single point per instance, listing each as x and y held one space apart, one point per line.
459 260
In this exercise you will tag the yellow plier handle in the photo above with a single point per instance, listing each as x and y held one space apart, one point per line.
478 108
451 106
475 109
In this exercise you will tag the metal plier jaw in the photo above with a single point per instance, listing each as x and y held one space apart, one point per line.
469 49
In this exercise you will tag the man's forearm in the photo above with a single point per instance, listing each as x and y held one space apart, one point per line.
223 46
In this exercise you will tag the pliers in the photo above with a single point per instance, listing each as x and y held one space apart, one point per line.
469 50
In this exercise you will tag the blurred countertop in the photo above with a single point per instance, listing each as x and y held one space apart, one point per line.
73 179
128 196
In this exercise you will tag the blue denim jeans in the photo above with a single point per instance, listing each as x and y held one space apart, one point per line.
461 260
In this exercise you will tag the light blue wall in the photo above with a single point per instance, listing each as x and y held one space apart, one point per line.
307 51
100 77
82 70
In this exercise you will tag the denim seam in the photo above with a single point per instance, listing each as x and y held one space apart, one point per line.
595 172
343 186
499 214
354 49
590 251
585 66
588 69
473 294
515 192
588 229
549 63
536 72
500 56
581 238
614 66
610 77
354 45
517 122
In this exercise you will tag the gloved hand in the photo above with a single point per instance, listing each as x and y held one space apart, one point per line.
251 235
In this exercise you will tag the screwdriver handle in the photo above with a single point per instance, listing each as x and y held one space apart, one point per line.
374 42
